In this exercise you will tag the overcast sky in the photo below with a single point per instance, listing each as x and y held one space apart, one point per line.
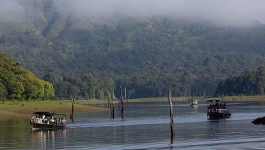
10 10
231 12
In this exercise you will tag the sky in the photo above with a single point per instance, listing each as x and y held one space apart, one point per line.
227 12
10 10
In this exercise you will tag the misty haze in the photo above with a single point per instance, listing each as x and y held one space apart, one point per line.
114 69
221 12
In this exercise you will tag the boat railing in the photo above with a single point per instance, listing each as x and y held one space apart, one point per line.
49 121
217 106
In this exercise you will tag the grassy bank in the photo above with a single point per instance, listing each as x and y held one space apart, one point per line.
23 109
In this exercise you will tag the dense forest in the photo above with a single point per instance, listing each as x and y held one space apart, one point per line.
144 54
19 83
84 87
247 83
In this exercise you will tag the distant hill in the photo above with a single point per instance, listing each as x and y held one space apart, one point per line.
146 55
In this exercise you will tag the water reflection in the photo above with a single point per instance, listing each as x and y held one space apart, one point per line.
146 126
47 139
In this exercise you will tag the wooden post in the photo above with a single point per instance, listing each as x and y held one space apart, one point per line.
113 112
171 116
121 103
125 95
122 110
72 114
112 109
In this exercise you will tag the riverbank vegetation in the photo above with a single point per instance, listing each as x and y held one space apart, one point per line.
19 83
247 83
86 86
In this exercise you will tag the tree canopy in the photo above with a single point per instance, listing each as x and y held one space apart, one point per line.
19 83
247 83
87 87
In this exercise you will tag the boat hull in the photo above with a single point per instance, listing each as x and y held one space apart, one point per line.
216 115
194 105
37 126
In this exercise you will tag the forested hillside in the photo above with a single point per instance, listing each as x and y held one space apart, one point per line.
144 54
247 83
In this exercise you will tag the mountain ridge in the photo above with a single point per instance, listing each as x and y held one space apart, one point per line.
144 54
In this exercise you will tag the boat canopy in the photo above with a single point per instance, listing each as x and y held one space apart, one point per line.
43 113
214 101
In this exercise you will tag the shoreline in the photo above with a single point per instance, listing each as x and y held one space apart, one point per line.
260 98
12 110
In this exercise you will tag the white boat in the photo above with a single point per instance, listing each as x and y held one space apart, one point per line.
194 103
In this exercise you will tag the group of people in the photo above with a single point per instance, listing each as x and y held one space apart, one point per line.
49 120
217 106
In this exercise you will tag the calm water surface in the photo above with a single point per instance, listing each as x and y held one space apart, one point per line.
146 126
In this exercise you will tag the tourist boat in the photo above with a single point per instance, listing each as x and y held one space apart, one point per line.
47 120
194 103
218 110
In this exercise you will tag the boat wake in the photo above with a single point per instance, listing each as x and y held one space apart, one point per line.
139 121
131 122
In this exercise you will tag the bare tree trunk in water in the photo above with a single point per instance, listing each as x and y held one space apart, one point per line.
112 109
121 103
72 114
171 116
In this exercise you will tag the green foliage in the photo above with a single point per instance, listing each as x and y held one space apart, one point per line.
15 89
48 90
87 86
3 92
18 83
247 83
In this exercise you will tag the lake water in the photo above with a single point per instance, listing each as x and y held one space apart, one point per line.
146 126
